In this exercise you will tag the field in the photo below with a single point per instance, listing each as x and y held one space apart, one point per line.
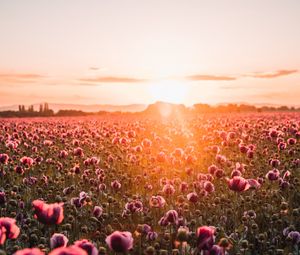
209 184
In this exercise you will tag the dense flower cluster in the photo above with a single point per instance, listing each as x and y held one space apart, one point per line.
212 185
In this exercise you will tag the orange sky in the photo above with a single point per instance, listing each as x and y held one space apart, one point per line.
133 51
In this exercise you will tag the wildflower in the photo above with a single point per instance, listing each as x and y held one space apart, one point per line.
134 206
273 175
168 189
238 184
27 161
8 229
58 240
71 250
97 212
192 197
294 236
151 236
205 238
48 214
29 251
116 185
216 250
4 158
120 241
209 187
157 201
87 246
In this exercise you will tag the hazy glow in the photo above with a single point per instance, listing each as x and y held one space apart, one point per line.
169 91
123 52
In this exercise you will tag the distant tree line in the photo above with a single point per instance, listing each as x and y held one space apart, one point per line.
202 108
45 111
175 109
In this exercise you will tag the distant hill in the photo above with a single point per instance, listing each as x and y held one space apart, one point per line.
85 108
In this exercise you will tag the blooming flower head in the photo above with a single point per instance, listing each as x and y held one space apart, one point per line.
134 206
209 187
216 250
212 169
157 201
172 216
120 241
8 229
87 246
48 214
238 184
168 189
70 250
151 236
29 251
58 240
27 161
205 238
116 185
63 154
294 236
2 235
78 152
4 158
273 175
192 197
97 212
254 183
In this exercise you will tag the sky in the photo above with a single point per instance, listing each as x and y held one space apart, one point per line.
138 51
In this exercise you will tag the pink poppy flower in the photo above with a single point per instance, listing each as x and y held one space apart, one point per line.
116 185
87 246
273 175
8 229
254 183
58 240
29 251
27 161
120 241
238 184
71 250
4 158
48 214
2 235
168 189
157 201
216 250
192 197
209 187
134 206
78 152
205 238
97 212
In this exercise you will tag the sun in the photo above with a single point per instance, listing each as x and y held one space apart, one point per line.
170 91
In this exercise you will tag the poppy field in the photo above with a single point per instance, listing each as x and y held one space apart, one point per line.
204 185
